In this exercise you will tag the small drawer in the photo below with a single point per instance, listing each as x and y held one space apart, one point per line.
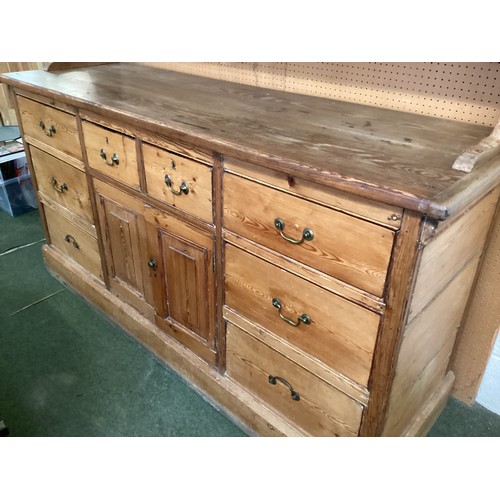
348 248
178 181
50 126
62 183
316 406
111 153
74 242
333 330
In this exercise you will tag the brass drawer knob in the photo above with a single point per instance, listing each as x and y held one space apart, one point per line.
293 394
60 188
307 234
48 132
183 189
152 263
70 239
303 318
114 159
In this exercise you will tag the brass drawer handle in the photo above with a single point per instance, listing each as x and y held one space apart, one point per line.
294 394
114 159
303 318
307 234
184 188
70 239
51 130
59 188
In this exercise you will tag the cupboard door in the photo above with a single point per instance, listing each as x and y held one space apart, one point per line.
184 282
123 233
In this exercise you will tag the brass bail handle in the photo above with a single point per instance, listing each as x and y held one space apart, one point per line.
60 188
70 239
183 189
114 158
293 394
307 234
48 132
303 318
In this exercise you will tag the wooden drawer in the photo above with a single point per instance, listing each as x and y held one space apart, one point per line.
74 242
178 181
50 126
111 153
321 410
62 183
348 248
340 333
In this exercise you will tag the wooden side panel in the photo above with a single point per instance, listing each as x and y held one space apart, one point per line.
450 250
100 141
481 322
50 126
426 350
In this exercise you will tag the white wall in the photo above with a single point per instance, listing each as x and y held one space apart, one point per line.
489 391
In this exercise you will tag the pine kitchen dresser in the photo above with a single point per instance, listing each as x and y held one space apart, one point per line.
305 263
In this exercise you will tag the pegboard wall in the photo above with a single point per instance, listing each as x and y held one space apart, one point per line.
468 92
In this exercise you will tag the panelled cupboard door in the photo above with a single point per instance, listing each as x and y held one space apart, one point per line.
183 283
123 229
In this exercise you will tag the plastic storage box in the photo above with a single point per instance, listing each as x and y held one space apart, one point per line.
16 194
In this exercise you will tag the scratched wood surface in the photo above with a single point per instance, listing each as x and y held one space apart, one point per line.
387 155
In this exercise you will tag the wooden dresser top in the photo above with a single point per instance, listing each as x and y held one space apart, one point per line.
390 156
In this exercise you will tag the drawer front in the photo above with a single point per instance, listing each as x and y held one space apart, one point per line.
74 242
319 408
111 153
50 126
62 183
350 249
322 324
178 181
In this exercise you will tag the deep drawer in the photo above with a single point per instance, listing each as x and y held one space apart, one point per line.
50 126
328 327
111 153
178 181
62 183
311 403
348 248
74 242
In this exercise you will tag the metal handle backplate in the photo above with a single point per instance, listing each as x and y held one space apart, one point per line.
307 234
303 318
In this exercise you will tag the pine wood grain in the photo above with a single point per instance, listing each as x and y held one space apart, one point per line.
196 176
341 334
250 210
73 242
321 411
70 187
389 156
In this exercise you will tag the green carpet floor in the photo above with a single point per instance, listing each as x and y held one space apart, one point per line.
66 371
